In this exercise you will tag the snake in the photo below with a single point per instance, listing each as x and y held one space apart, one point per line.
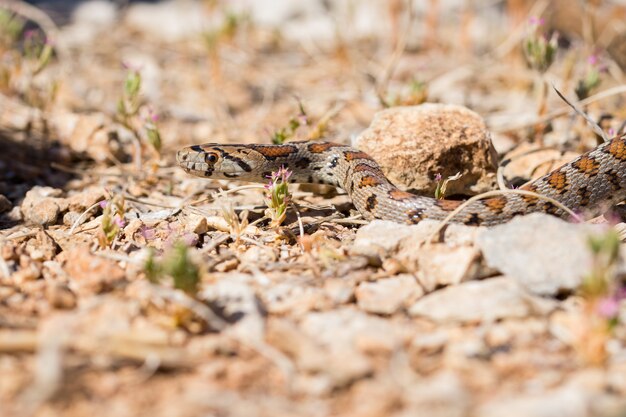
588 185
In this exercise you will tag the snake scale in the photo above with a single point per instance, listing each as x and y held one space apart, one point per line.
588 185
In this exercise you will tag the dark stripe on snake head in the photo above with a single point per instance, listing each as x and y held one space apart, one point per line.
242 164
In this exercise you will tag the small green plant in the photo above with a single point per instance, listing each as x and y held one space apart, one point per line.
11 28
112 220
128 104
539 50
591 79
417 94
440 190
282 135
177 264
278 196
136 116
602 293
233 22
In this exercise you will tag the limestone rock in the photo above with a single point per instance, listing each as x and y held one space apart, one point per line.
41 206
545 254
479 301
413 144
379 238
386 296
438 265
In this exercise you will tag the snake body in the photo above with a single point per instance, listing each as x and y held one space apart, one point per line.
588 185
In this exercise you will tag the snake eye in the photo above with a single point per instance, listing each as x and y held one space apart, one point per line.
211 158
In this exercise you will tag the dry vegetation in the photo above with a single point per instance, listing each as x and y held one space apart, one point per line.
130 288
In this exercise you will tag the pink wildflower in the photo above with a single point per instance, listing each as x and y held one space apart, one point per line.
608 307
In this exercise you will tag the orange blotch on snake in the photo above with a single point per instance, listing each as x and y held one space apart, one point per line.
275 151
399 195
617 148
448 205
320 147
587 165
352 155
496 204
369 181
558 181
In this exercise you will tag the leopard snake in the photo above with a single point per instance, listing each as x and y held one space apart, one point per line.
588 185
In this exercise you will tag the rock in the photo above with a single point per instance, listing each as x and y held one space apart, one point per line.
438 265
414 144
379 238
347 335
5 204
86 198
530 161
41 205
60 296
440 395
285 335
545 254
386 296
92 274
339 290
454 234
44 212
480 301
168 21
567 401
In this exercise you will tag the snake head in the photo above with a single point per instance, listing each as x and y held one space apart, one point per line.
215 161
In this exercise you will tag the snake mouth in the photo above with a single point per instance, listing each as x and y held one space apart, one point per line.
192 162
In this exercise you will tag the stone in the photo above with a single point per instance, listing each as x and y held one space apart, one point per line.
379 238
44 212
348 336
544 253
566 401
480 301
415 143
86 198
60 296
169 20
41 205
440 395
530 161
92 274
387 296
438 265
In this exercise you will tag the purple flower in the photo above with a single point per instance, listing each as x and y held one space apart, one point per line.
593 60
148 233
103 204
536 21
608 307
190 239
119 222
438 177
30 34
